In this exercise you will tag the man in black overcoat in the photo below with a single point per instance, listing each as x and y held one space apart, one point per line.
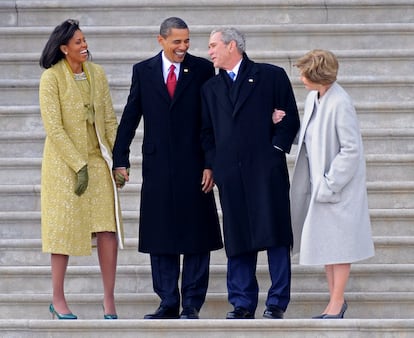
247 153
178 214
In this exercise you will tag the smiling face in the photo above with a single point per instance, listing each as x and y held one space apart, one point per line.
76 51
176 44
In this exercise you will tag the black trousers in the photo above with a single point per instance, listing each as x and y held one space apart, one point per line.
194 279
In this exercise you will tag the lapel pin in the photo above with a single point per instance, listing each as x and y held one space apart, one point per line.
185 70
250 80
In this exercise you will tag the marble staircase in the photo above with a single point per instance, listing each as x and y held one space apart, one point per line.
374 41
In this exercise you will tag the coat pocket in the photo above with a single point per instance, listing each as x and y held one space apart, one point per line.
326 195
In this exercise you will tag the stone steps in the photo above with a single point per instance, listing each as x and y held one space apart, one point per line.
356 328
296 37
14 197
361 89
27 252
26 170
374 43
380 167
26 225
133 306
369 62
132 278
144 12
377 115
397 141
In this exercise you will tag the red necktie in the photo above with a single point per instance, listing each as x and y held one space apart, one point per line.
171 81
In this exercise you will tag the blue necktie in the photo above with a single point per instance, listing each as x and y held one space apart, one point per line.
232 75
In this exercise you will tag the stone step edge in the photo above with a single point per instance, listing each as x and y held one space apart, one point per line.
196 30
361 107
394 270
108 4
375 186
138 297
212 327
133 56
372 80
34 216
132 242
366 132
13 162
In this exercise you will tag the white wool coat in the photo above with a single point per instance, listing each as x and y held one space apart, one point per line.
330 217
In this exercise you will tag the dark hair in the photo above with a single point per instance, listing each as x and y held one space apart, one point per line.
172 22
60 36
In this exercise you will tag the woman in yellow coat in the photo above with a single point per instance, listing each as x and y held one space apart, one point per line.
79 198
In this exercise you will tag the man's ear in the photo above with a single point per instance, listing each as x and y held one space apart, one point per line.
160 39
232 45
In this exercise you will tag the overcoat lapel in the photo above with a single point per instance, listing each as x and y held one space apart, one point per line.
185 78
156 78
308 111
221 89
248 77
241 88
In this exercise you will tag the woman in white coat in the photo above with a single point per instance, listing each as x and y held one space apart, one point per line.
330 215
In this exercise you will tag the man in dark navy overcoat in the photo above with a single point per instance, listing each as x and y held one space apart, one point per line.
178 213
247 153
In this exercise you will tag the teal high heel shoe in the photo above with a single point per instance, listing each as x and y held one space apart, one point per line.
61 315
108 316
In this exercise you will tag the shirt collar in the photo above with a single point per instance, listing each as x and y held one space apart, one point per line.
166 64
236 68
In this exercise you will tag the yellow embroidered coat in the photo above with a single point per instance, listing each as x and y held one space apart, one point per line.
68 220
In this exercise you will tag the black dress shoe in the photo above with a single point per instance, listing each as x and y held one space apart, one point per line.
189 313
163 313
273 312
240 313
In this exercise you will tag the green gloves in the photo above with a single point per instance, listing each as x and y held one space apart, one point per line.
82 182
119 178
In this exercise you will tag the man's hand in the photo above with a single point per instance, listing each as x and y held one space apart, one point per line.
278 115
121 176
207 183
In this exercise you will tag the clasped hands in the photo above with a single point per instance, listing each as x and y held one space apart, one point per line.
121 176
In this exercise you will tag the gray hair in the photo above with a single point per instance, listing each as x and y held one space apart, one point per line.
229 34
169 23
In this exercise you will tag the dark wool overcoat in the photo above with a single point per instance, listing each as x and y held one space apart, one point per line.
176 217
239 136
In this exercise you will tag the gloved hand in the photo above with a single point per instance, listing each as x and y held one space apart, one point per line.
82 182
119 177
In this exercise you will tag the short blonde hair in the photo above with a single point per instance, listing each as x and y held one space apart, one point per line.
319 66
